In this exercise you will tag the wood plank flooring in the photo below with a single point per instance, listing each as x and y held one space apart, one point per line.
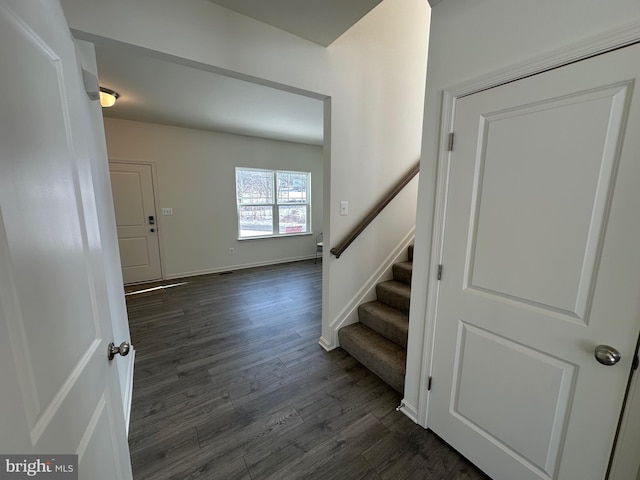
230 383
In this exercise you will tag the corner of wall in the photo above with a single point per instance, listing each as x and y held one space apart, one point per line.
326 344
409 410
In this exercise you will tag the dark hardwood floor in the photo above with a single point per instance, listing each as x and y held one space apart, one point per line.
230 383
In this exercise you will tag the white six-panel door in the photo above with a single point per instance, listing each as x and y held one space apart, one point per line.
59 393
541 264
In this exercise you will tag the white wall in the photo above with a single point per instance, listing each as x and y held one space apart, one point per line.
469 39
195 170
374 76
377 89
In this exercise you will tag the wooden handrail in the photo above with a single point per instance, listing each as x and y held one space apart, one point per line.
358 229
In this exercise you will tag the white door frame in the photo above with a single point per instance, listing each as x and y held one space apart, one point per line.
589 47
154 187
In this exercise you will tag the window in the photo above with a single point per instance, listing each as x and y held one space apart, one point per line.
272 203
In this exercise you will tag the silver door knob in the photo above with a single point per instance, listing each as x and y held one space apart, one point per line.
123 350
607 355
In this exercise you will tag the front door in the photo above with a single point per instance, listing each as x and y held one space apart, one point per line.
541 268
59 393
134 203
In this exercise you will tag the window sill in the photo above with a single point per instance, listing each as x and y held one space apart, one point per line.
284 235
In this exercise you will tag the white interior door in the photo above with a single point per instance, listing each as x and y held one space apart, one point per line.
59 394
136 220
541 264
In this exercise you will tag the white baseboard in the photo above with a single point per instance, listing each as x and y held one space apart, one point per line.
324 343
128 394
409 410
349 314
227 268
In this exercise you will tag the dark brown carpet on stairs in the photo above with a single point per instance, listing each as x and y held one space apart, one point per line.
379 339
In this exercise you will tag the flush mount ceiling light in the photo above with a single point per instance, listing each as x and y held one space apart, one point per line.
108 97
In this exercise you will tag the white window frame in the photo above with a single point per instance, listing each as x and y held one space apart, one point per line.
275 205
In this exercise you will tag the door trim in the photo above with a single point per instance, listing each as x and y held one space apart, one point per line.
602 43
154 183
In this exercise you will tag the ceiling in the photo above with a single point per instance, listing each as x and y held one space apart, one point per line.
158 90
321 22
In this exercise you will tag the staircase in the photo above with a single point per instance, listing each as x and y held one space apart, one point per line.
379 339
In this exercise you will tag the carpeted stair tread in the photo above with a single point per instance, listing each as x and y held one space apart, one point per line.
379 340
402 272
380 355
394 294
385 320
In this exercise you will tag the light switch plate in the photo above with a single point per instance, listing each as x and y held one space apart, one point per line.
167 211
344 208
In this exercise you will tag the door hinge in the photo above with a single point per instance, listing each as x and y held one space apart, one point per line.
439 272
429 384
450 144
636 362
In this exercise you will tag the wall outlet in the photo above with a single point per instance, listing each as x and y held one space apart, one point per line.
344 208
167 211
